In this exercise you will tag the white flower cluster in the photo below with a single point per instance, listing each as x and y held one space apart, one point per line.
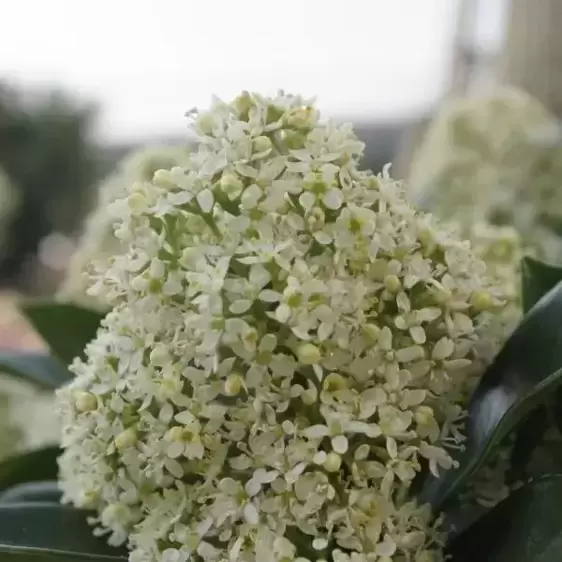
291 344
98 243
495 158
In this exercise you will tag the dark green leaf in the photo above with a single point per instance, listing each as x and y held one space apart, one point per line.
65 328
39 369
10 553
525 373
538 278
47 533
555 411
546 458
34 466
44 491
526 527
457 520
528 438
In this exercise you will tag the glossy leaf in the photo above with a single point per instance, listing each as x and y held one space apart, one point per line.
546 458
528 438
525 527
48 533
538 278
457 520
65 328
38 369
525 373
43 491
34 466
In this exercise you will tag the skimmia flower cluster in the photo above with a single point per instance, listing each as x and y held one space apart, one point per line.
494 157
98 243
290 344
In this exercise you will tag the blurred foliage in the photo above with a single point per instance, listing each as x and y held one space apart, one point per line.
47 151
9 201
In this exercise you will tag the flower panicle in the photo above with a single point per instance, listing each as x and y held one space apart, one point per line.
290 344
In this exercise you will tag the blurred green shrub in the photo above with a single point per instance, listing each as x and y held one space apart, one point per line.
46 149
9 202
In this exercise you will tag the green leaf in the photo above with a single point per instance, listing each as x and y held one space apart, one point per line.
546 458
528 438
525 527
34 466
457 520
538 278
525 373
39 369
65 328
42 532
44 491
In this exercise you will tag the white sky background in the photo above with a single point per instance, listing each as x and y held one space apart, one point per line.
148 61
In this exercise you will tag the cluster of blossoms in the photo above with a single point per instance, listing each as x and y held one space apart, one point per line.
98 242
290 344
494 158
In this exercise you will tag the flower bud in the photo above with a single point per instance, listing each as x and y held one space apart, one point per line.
137 202
308 354
332 462
424 415
481 300
175 433
372 331
126 439
301 118
205 124
85 401
231 184
88 499
243 103
392 283
262 144
163 178
334 382
234 384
